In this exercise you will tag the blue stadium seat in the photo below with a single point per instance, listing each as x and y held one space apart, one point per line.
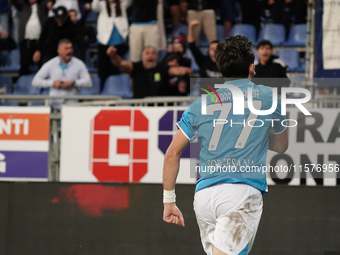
36 103
220 30
274 33
117 85
194 67
12 63
24 86
6 82
91 62
45 91
9 104
180 30
297 36
290 57
246 30
91 17
95 90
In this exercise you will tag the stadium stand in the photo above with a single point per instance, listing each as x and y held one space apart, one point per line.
91 17
255 53
246 30
274 33
12 62
95 90
297 36
91 62
117 85
6 83
24 86
290 57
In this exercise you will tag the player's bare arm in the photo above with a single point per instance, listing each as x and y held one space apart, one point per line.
279 142
118 61
170 171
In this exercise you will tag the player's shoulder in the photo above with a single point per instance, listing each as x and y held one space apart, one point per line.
196 104
264 91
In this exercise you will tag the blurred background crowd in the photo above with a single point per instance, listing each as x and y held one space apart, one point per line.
134 48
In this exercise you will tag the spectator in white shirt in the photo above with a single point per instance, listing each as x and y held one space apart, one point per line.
113 29
64 74
32 16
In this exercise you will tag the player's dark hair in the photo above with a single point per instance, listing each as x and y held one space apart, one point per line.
234 56
264 43
214 41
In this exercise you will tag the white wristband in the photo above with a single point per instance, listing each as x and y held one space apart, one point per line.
169 196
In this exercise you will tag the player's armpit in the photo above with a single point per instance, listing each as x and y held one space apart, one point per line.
279 142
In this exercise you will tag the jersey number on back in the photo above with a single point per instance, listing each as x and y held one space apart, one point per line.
225 110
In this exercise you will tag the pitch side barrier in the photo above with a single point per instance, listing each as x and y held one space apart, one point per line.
54 129
11 103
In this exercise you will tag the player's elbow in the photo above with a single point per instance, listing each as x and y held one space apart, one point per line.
172 153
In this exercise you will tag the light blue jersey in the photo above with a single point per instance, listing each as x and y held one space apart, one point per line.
234 150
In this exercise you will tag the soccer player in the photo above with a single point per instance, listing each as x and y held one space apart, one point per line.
228 204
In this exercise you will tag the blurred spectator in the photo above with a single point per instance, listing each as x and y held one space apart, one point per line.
204 12
32 16
270 66
112 27
179 85
228 13
207 64
251 12
149 78
85 34
64 74
177 47
68 4
55 28
161 26
6 43
144 29
282 13
300 11
175 12
178 10
4 18
15 15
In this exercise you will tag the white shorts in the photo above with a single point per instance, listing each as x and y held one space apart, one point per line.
228 216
